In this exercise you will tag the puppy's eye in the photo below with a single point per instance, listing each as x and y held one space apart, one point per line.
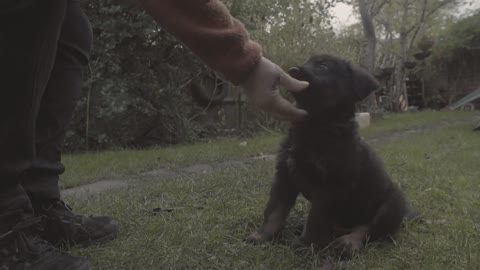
322 67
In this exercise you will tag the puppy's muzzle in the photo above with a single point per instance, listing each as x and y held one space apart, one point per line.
299 73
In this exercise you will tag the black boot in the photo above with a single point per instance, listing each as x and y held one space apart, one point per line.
62 227
21 248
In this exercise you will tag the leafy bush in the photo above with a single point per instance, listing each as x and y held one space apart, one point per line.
135 92
136 86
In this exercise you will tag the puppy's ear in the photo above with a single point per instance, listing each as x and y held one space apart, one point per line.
363 83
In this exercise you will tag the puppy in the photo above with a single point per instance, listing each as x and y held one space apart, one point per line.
325 160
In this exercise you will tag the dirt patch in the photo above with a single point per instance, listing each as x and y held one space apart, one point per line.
163 172
94 188
198 168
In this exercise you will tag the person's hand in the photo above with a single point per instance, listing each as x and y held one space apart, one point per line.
262 85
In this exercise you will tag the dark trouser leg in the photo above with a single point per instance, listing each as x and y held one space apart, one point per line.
58 103
61 225
28 44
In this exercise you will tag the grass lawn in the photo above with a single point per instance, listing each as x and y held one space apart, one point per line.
91 167
200 221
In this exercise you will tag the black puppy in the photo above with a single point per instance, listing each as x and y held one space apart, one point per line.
324 158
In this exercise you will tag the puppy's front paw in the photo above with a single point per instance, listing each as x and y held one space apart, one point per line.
350 244
305 242
300 242
259 237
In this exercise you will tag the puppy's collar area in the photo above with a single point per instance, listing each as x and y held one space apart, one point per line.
339 129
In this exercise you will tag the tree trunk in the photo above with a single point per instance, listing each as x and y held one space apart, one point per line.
400 88
367 57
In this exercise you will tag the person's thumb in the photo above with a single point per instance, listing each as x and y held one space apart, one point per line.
290 83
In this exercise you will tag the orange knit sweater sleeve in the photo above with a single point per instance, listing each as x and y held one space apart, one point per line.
208 29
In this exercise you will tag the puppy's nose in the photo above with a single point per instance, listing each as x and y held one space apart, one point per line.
294 72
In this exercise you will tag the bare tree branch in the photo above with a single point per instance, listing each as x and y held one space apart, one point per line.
374 10
368 27
419 25
435 9
367 59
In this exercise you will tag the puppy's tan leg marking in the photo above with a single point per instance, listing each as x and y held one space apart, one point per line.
353 242
273 224
317 229
282 198
276 220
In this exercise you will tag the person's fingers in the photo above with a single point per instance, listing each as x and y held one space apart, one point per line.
263 89
284 110
290 83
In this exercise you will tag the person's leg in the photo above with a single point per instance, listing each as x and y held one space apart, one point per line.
62 226
26 59
57 105
28 44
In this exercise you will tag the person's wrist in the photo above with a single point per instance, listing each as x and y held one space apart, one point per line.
251 74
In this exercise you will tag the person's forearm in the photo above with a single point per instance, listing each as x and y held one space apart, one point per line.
208 29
